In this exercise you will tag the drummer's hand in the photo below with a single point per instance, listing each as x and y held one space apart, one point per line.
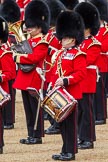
15 53
15 56
59 82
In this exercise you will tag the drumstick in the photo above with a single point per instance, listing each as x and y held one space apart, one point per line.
39 101
37 114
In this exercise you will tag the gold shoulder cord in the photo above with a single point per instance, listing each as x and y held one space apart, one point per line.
53 60
94 42
45 39
54 56
79 53
5 51
59 66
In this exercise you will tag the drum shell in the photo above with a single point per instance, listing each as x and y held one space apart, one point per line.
4 98
59 103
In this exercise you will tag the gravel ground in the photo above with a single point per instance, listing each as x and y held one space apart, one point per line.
16 152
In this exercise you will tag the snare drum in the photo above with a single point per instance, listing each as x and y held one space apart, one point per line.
4 97
59 103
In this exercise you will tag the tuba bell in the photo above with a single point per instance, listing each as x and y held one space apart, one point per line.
22 45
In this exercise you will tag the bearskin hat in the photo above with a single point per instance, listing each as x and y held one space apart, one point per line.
90 16
3 30
55 7
10 11
70 24
37 13
102 7
70 4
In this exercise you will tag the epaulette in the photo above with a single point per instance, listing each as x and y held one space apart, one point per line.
4 53
54 56
106 27
50 38
46 39
94 42
79 53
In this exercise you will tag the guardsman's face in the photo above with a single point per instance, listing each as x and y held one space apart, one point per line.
68 42
33 31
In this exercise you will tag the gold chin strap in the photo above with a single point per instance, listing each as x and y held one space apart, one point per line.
68 41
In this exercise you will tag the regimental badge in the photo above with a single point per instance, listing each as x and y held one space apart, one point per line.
33 44
68 56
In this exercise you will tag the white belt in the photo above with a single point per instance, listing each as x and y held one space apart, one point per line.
92 67
53 48
97 71
21 9
102 53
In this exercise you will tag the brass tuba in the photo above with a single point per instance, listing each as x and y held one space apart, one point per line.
22 46
16 28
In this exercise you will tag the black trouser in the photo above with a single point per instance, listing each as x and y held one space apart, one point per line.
1 129
100 100
86 121
69 133
9 108
53 122
30 107
106 84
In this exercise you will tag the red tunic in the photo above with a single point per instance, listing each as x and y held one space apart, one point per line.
102 36
92 48
26 2
22 4
74 68
32 78
6 61
54 45
7 46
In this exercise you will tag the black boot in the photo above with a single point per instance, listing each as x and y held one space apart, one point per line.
31 140
86 145
8 126
1 150
64 157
